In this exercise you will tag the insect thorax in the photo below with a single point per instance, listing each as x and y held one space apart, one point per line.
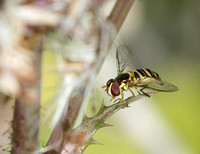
122 78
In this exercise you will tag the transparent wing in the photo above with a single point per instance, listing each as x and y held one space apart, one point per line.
124 58
165 86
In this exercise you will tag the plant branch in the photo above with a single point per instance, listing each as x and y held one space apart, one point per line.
27 115
81 137
120 12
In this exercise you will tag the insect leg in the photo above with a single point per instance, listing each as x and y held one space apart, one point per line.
137 90
131 92
106 89
112 99
144 92
119 99
122 94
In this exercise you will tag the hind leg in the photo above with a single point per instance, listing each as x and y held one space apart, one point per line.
141 90
144 92
138 91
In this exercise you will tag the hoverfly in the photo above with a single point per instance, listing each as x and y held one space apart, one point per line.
139 79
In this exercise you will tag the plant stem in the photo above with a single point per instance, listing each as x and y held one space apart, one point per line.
120 12
26 118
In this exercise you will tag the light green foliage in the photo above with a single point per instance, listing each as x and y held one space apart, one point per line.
182 109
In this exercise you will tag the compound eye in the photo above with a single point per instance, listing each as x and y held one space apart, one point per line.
115 89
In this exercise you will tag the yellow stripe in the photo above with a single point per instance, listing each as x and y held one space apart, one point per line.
139 74
147 72
155 74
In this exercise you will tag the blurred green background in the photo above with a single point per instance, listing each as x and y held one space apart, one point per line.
165 36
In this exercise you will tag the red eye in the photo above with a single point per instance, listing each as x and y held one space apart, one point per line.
115 89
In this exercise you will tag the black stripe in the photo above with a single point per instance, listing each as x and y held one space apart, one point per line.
145 73
157 75
141 72
150 72
136 75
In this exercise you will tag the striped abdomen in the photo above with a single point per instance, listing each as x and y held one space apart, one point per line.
145 73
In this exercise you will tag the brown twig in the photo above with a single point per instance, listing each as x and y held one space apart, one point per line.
120 12
26 115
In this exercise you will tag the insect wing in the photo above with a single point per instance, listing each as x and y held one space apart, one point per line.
165 86
124 58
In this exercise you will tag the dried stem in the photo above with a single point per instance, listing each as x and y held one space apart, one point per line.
27 116
64 128
120 12
25 132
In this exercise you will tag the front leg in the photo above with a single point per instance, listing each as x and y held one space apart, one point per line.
106 90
